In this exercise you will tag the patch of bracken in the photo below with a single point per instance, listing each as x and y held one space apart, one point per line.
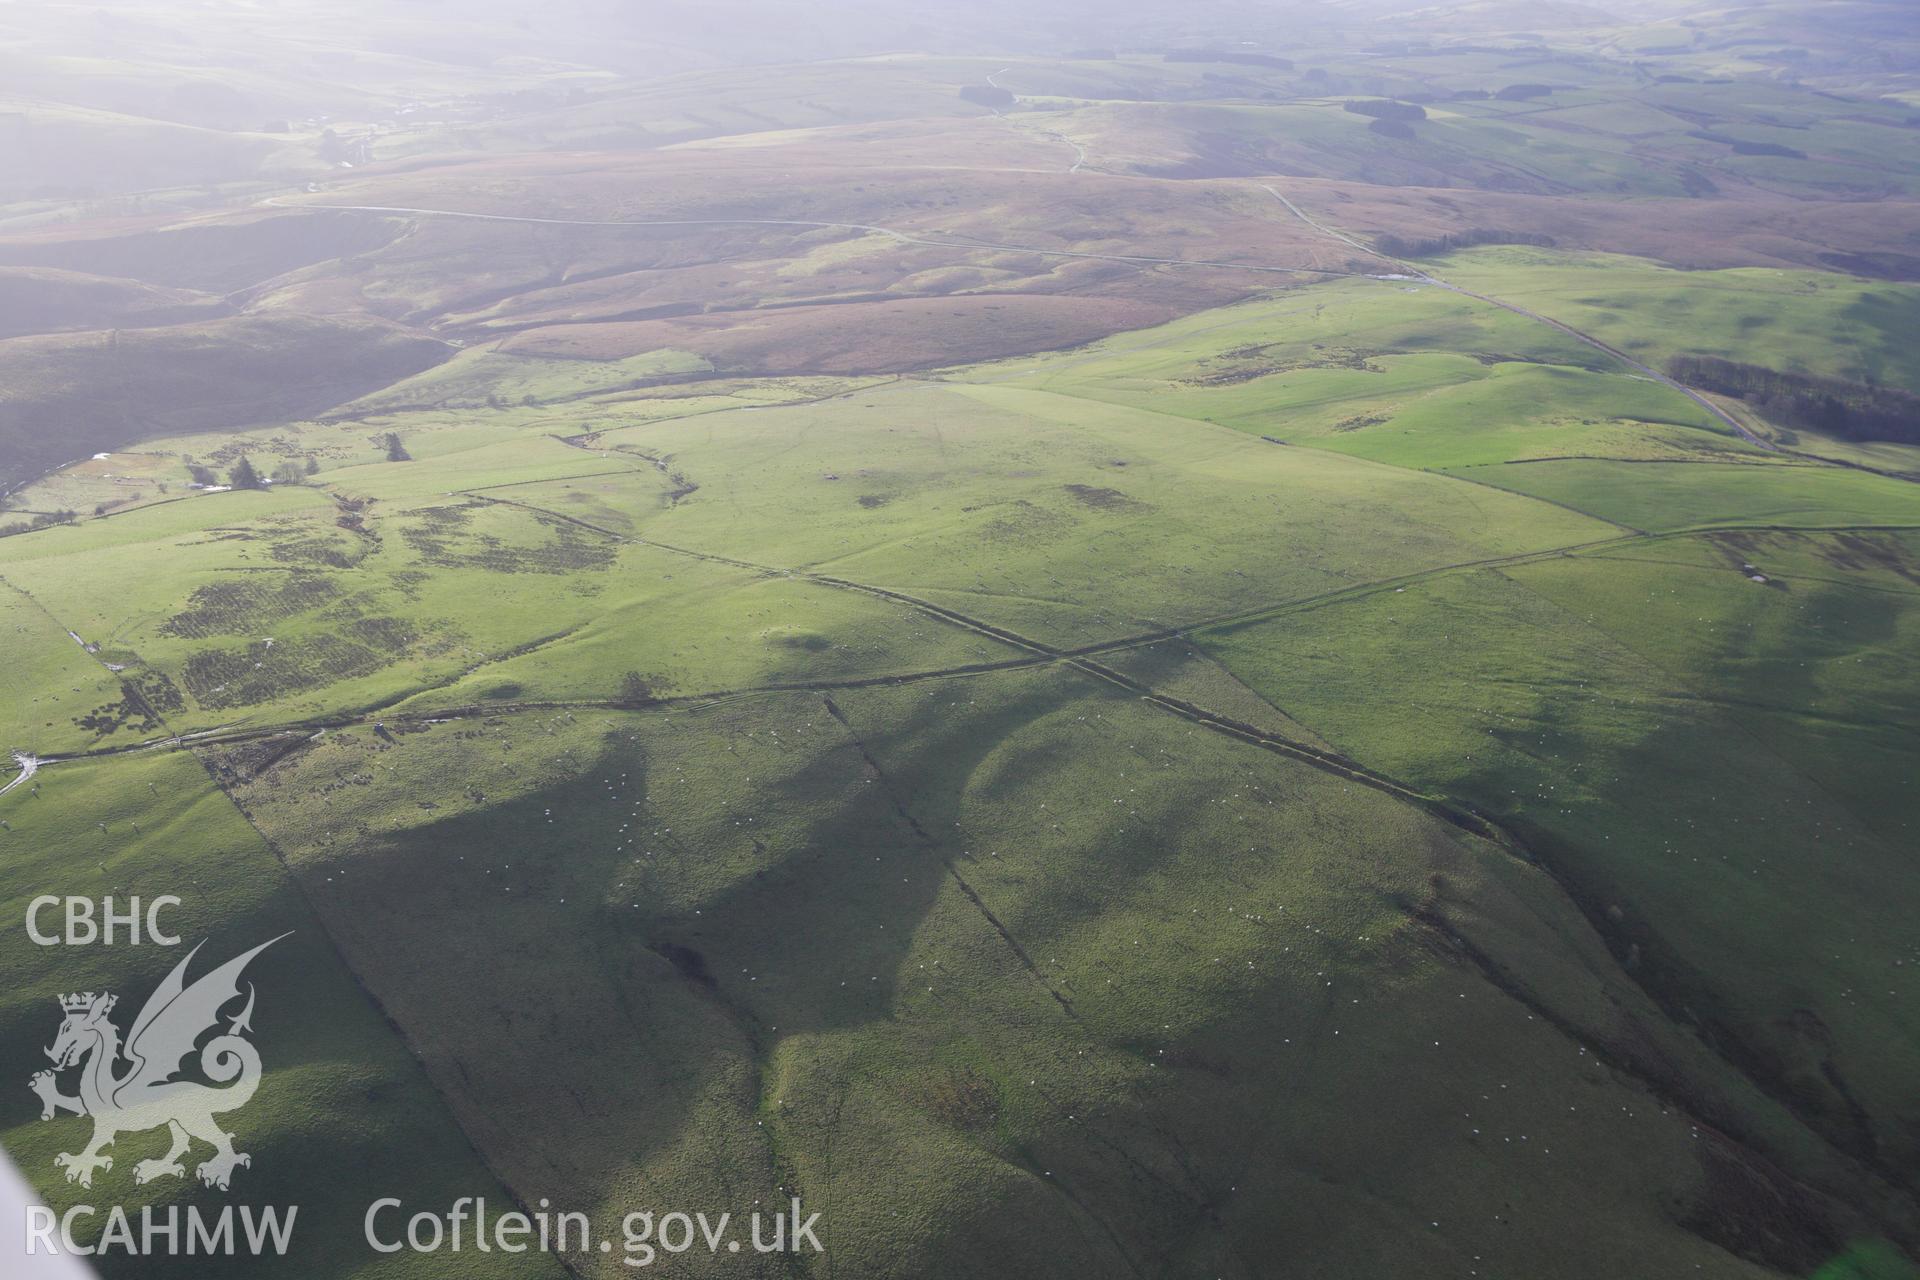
248 602
441 536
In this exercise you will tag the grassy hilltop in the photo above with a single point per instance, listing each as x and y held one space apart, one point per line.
1155 680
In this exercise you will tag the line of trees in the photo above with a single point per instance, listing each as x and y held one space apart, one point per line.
1850 410
987 95
1741 147
1387 109
1397 247
40 521
1236 59
245 475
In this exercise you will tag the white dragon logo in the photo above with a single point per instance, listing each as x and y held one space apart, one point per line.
147 1096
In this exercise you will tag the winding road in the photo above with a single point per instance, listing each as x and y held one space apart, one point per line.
1079 152
29 765
903 237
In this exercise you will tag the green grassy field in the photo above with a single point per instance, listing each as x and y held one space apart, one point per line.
1795 321
1413 376
815 638
1066 519
479 377
932 988
805 594
1628 712
1659 496
341 1104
